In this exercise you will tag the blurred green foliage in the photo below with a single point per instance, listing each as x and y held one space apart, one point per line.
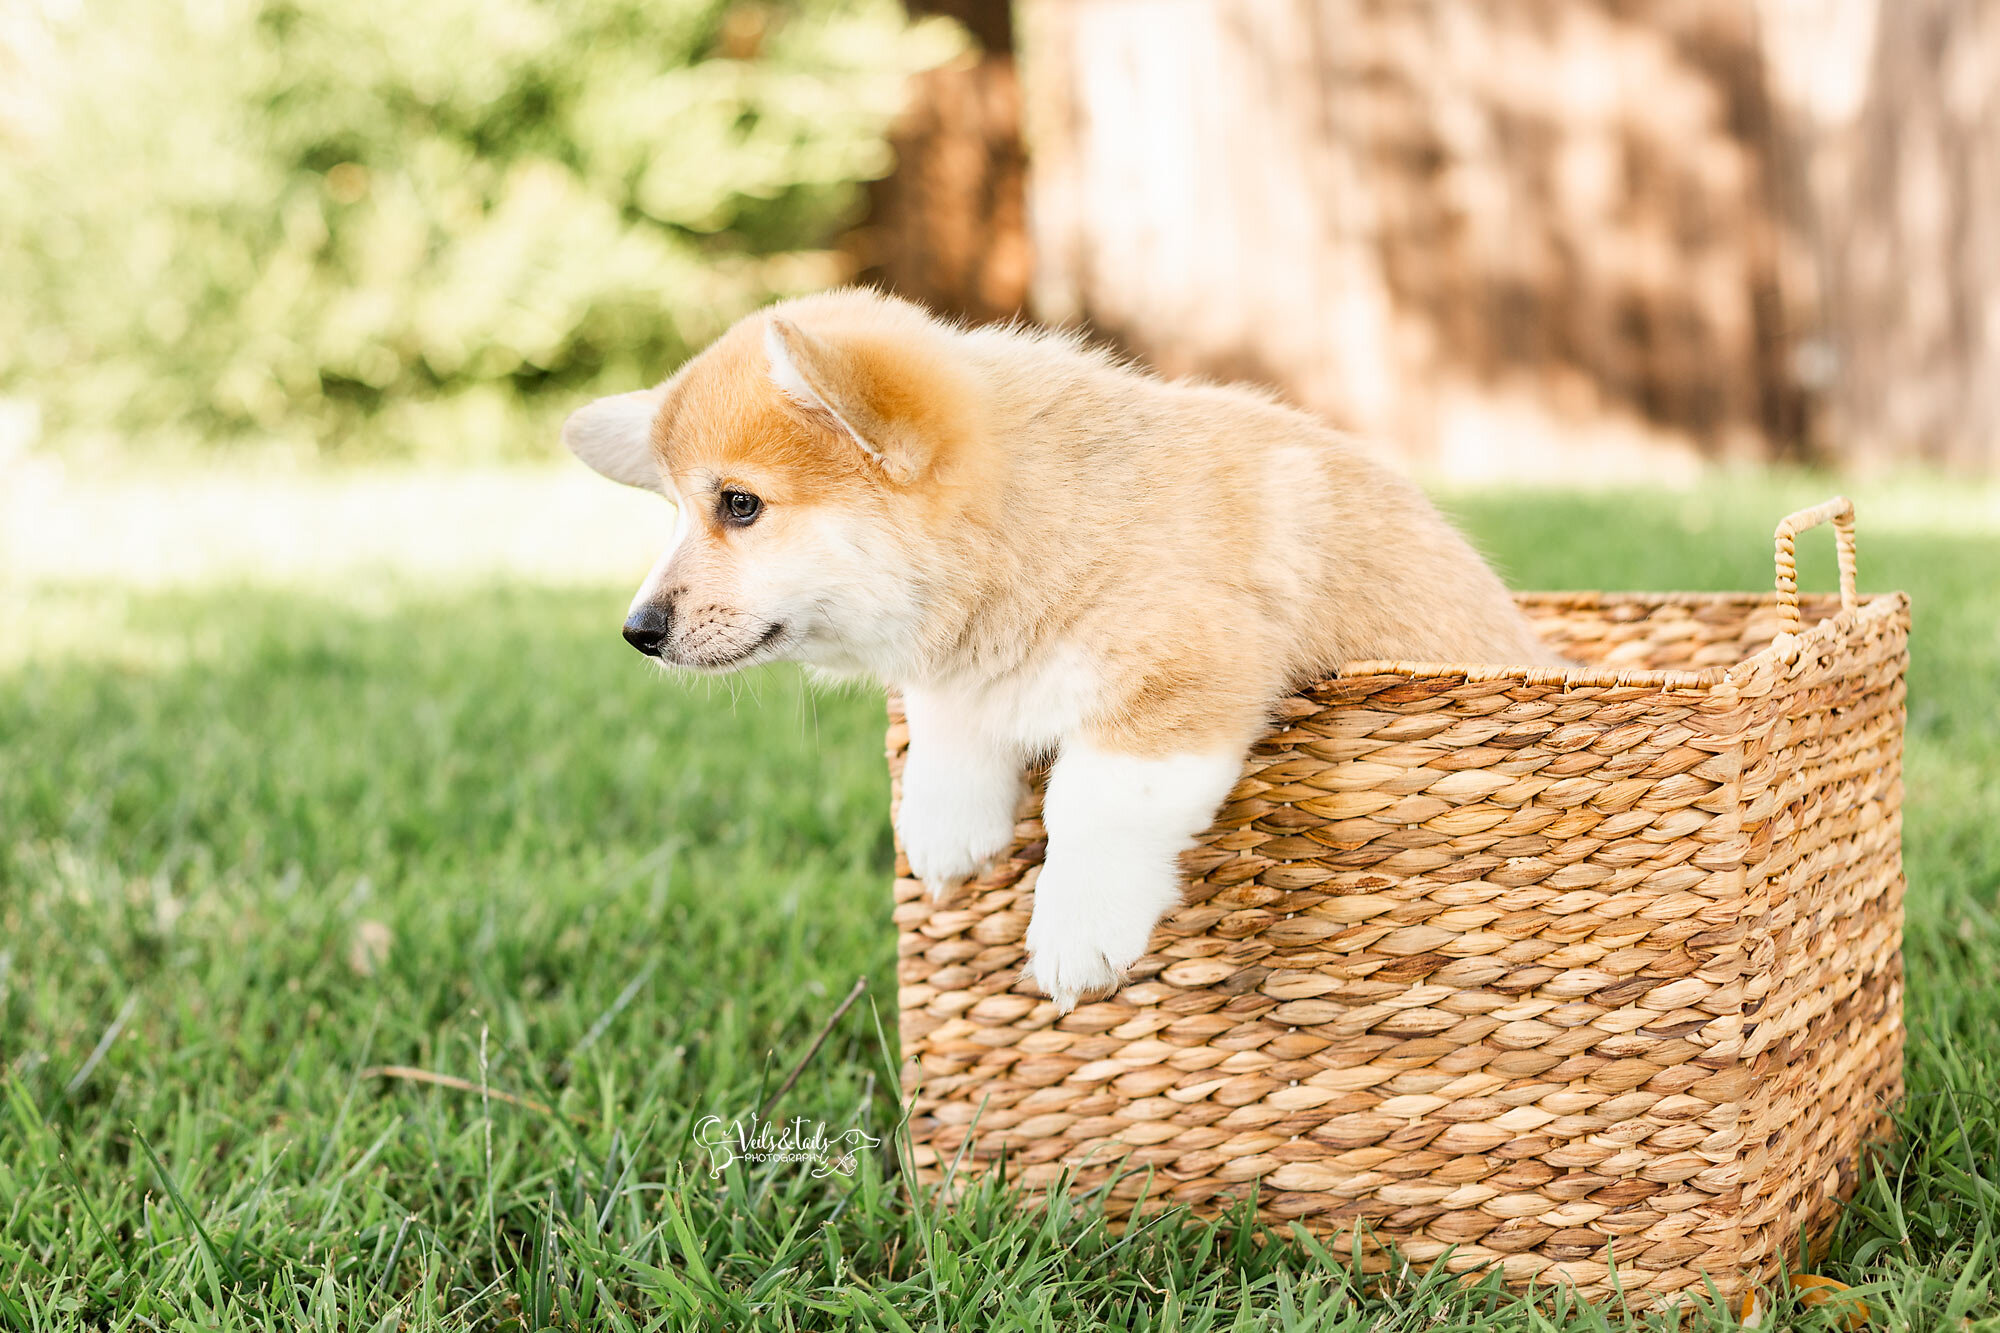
379 226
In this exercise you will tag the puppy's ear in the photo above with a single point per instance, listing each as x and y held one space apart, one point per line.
899 396
615 436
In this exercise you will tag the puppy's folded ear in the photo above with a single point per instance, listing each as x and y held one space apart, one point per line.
615 436
901 396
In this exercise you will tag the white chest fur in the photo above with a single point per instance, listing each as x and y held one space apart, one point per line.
1023 713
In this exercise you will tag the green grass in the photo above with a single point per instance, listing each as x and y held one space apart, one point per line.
255 841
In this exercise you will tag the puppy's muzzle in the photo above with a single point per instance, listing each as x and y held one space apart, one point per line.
646 628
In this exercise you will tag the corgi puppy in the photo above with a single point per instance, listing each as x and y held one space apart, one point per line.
1044 550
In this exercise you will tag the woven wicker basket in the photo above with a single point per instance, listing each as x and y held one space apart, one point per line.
1547 970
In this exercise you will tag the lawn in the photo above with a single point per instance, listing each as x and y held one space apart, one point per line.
271 826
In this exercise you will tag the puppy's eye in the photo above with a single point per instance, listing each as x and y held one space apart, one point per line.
741 507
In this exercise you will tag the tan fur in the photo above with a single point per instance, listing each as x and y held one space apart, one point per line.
1045 551
1205 547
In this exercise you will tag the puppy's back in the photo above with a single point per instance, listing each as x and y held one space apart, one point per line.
1245 514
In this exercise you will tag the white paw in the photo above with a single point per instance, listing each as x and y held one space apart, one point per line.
953 830
1091 923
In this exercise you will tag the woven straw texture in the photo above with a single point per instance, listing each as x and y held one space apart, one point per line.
1549 971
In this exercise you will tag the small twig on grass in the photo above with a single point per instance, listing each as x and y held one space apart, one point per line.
826 1030
456 1084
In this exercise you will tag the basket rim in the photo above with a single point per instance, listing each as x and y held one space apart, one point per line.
1785 647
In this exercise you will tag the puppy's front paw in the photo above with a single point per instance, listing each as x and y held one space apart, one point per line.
1089 928
952 831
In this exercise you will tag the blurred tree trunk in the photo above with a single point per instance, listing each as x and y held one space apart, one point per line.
1896 111
1531 239
948 227
1511 238
1544 235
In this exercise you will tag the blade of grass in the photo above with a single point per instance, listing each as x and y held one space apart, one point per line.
219 1265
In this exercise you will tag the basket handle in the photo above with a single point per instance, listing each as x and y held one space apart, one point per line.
1840 510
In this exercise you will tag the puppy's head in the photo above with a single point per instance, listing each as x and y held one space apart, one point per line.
811 453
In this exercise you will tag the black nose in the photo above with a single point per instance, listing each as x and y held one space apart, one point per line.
646 628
